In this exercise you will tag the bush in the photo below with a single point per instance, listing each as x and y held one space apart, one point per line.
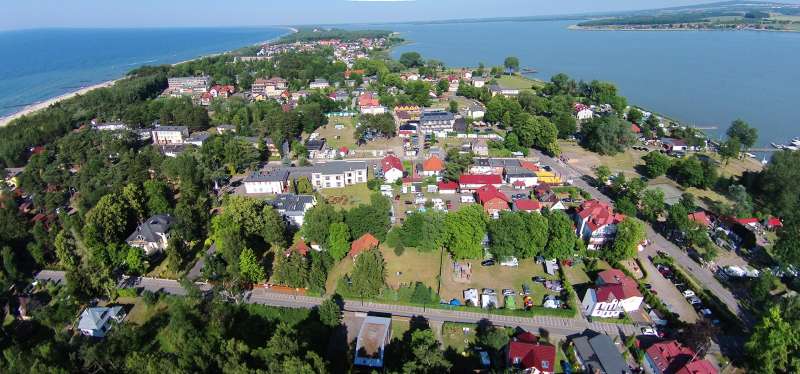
127 292
150 298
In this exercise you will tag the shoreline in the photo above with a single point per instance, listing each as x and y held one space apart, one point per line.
617 28
44 104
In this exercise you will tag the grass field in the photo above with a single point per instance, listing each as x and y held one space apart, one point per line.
348 197
141 312
585 161
411 266
519 82
459 336
339 138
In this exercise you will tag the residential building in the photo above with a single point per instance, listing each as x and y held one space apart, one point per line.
432 167
597 354
374 336
478 82
316 148
476 111
221 129
670 357
318 84
337 174
392 168
272 181
97 321
527 205
447 187
293 207
596 223
363 244
373 110
169 134
526 354
300 247
674 145
701 218
215 92
472 182
496 89
407 129
493 200
583 112
480 147
152 235
614 295
270 88
438 122
198 138
516 174
368 99
177 86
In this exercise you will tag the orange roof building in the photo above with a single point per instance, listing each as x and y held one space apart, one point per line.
432 166
363 244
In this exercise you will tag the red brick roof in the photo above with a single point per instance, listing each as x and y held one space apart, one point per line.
368 99
627 287
773 222
598 214
532 355
300 247
433 164
391 162
527 205
490 192
700 217
669 356
452 186
697 367
480 179
364 243
529 165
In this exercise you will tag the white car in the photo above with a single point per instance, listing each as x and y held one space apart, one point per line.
695 300
649 331
511 262
688 293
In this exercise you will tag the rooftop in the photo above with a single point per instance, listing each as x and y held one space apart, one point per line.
273 175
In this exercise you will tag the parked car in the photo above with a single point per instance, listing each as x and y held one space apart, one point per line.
510 262
695 300
489 262
538 279
648 286
508 292
688 293
526 290
649 331
488 291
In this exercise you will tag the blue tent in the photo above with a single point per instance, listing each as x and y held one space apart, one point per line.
455 302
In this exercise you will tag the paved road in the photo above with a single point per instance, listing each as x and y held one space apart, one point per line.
556 326
704 276
194 273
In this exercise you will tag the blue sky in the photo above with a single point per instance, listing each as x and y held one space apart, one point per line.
182 13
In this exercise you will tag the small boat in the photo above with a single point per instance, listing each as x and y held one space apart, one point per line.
749 155
776 145
796 141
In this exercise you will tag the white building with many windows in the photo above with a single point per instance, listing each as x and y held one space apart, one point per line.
266 182
336 174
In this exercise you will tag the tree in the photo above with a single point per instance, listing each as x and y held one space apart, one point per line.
274 227
426 354
464 231
303 186
369 274
330 313
741 131
678 218
453 106
742 202
787 247
566 124
291 270
66 251
157 195
698 336
562 236
774 347
656 164
729 149
652 203
135 200
777 185
508 236
635 115
249 266
134 261
321 262
412 60
537 231
108 221
630 233
602 173
317 222
338 240
373 218
423 230
625 206
607 135
492 337
511 63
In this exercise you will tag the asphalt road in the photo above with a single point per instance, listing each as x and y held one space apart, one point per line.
703 276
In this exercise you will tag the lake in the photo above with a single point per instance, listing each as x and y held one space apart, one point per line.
36 65
703 78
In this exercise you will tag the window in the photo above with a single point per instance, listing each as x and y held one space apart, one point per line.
545 364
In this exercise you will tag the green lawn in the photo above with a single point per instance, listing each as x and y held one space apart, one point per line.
339 138
399 327
141 312
454 336
519 82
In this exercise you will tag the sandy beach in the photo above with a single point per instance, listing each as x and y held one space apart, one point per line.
45 104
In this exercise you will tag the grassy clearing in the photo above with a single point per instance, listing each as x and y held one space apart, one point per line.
348 197
585 161
412 266
141 312
339 138
399 327
458 336
519 82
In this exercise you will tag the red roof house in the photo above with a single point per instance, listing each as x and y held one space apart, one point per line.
300 247
367 99
529 165
492 199
773 223
701 218
392 168
635 129
432 166
525 353
362 244
597 223
527 205
447 187
472 182
670 357
629 288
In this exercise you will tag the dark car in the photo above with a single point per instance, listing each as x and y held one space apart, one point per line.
648 286
538 279
488 262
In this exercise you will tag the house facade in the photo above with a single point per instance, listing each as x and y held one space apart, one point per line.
519 174
266 181
597 353
152 235
293 207
336 174
493 200
437 122
596 223
392 168
615 293
432 167
670 357
97 321
162 135
472 182
527 355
